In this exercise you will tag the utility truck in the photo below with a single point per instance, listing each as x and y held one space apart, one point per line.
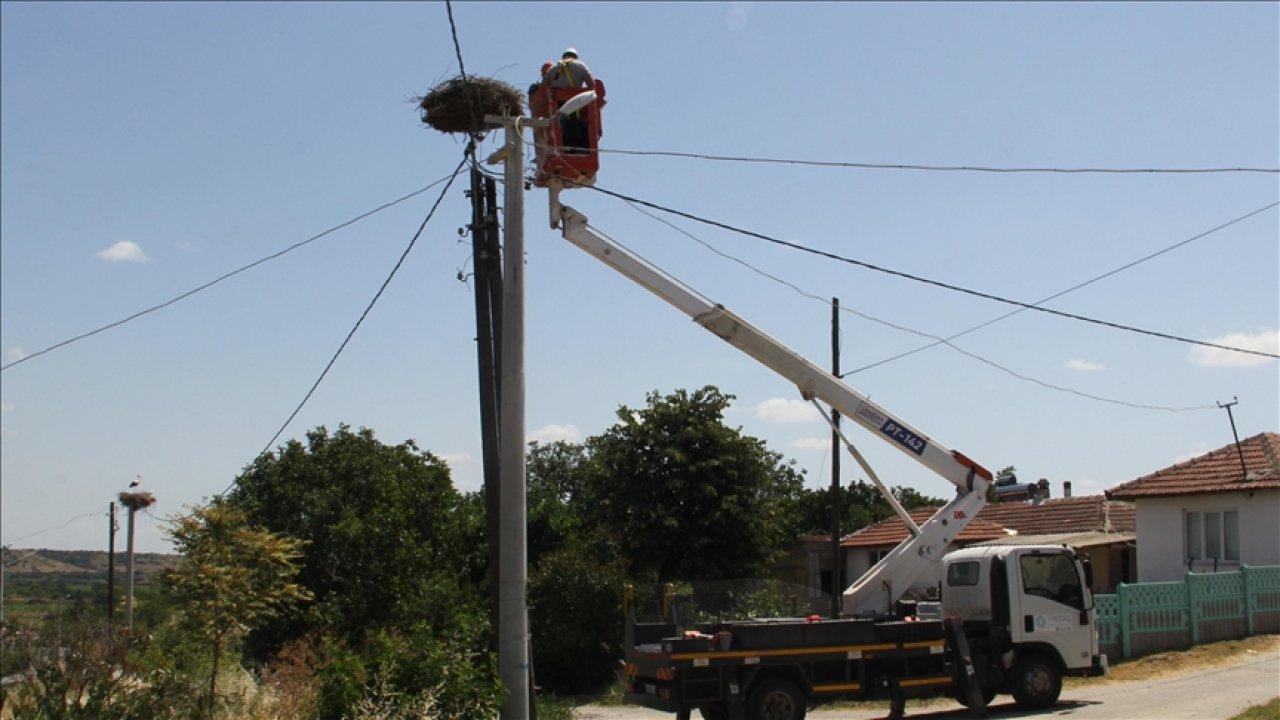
1012 619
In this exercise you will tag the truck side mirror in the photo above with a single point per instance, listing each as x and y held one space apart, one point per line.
1088 572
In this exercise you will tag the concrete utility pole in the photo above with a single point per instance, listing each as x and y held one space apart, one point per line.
1244 469
513 615
135 501
837 585
111 564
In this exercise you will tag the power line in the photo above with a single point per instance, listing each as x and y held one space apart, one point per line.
343 346
913 331
453 28
1073 288
222 277
928 281
56 527
940 168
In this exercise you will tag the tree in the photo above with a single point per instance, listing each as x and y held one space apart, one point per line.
384 530
231 577
861 505
687 496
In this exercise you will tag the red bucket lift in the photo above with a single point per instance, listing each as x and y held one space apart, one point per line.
568 148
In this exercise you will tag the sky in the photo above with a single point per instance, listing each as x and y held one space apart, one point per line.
148 148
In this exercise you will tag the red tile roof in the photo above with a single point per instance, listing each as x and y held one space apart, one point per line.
1084 514
1213 472
888 533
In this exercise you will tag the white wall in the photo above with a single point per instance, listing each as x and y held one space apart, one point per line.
1161 551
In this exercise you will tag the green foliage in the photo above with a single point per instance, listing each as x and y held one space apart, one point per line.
691 496
383 529
232 577
575 616
861 505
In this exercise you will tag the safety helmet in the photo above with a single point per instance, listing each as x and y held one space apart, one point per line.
570 53
545 67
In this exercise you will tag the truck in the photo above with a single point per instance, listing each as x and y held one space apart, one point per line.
1010 619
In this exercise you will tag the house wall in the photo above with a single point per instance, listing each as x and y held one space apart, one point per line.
1161 542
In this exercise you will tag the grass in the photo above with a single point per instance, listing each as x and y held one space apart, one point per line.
1178 661
1270 711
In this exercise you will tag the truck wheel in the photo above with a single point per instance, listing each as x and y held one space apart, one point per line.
1037 681
776 699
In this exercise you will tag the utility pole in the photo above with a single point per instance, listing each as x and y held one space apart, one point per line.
111 564
1244 469
488 288
135 501
837 586
513 616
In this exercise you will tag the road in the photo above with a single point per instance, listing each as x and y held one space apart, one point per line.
1215 693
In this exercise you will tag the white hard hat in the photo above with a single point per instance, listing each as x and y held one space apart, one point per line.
569 52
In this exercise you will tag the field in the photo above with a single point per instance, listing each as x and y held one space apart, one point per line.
42 584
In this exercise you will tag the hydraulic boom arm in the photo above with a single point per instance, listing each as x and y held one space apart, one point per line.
879 588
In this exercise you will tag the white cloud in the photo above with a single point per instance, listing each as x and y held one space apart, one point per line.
1085 366
123 251
554 433
1265 341
782 410
457 460
738 15
7 406
810 443
15 354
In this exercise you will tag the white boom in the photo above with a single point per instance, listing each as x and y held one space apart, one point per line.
880 587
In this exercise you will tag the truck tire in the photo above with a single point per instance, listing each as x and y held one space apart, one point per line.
1037 681
716 712
776 699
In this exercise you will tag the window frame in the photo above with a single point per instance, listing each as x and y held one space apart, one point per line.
1221 540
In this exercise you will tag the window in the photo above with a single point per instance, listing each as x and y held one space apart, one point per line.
1231 536
962 573
1193 550
1053 577
1212 535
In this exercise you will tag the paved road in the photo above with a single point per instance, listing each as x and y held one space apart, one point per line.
1213 694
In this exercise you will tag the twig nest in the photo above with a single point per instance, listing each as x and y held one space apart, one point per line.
137 500
460 104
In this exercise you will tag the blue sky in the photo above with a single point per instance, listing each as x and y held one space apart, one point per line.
207 135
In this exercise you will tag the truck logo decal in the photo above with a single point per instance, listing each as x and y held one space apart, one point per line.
866 412
903 436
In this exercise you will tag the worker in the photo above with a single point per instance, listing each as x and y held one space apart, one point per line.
571 72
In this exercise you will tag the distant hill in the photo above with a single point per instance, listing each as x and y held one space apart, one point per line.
83 563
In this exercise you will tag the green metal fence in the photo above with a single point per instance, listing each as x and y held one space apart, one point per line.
1142 618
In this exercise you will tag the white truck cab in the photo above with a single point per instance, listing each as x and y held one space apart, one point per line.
1035 604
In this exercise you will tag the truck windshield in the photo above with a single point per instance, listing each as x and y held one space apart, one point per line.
1053 577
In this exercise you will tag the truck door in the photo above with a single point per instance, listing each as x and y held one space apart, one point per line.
1051 604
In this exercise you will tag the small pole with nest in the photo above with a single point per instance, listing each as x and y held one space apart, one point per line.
135 501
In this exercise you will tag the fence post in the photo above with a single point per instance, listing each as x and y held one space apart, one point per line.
1248 599
1126 647
1193 609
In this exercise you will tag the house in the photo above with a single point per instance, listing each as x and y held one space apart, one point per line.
864 548
1214 512
1094 525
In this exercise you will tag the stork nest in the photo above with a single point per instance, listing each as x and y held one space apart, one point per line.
137 500
460 104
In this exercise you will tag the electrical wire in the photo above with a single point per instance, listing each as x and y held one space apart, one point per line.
343 346
934 168
220 278
1059 294
56 527
928 281
913 331
453 28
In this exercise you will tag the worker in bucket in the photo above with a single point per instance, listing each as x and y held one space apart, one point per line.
571 72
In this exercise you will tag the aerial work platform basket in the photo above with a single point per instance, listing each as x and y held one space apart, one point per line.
568 148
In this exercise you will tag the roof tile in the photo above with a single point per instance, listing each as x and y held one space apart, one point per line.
1213 472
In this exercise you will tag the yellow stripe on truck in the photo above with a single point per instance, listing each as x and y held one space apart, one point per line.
783 652
925 681
840 687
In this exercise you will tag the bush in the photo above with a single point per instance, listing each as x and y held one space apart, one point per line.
575 617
